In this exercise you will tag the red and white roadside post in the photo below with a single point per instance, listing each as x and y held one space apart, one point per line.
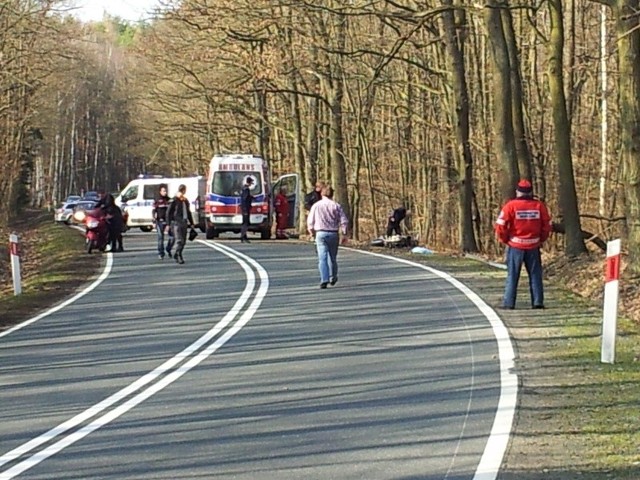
610 314
14 249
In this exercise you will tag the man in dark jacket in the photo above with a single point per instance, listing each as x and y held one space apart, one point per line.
115 223
393 223
313 196
246 199
179 216
159 214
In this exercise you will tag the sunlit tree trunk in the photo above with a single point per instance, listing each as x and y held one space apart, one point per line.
455 51
562 134
503 113
628 33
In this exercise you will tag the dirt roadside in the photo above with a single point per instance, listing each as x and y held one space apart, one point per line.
576 419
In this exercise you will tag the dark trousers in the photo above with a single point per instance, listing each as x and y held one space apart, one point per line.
533 263
179 236
393 227
115 236
246 220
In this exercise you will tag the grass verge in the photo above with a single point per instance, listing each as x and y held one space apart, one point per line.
53 266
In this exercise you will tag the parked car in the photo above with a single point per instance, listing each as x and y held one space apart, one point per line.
64 212
82 205
91 196
73 199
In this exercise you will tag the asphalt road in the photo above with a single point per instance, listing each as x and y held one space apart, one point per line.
236 365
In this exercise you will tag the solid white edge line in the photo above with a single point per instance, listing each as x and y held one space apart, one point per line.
123 393
105 273
496 446
156 387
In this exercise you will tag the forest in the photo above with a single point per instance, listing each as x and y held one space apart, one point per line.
439 105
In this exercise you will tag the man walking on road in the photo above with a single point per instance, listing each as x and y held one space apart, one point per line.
159 214
179 216
325 219
523 225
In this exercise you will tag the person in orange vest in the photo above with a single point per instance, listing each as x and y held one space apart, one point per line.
281 206
523 225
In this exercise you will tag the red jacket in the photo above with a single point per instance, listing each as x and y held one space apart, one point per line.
523 223
281 205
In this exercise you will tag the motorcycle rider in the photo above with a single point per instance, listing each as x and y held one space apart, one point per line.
115 223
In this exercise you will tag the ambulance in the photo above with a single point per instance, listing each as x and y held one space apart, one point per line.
226 177
136 199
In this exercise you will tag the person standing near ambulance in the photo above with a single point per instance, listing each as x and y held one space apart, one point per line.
281 206
524 224
246 199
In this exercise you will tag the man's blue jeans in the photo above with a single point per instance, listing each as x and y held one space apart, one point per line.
160 227
327 247
532 262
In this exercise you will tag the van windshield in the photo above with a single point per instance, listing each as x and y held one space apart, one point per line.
130 193
229 184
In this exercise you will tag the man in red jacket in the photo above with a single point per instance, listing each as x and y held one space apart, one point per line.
523 225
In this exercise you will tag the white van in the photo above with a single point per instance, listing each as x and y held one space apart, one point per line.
136 199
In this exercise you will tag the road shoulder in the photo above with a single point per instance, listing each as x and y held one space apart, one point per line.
576 417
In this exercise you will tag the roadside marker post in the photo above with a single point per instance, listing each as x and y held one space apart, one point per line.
610 313
14 249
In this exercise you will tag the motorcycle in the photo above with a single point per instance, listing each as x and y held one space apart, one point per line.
97 233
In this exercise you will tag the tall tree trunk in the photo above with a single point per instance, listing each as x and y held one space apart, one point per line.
264 131
338 160
455 58
72 150
519 130
626 17
562 134
502 99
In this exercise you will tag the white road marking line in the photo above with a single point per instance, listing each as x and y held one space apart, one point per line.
105 273
162 383
496 446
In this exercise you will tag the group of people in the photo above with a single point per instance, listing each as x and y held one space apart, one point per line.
280 206
172 217
523 225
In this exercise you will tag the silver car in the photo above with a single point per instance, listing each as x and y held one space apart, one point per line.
63 212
